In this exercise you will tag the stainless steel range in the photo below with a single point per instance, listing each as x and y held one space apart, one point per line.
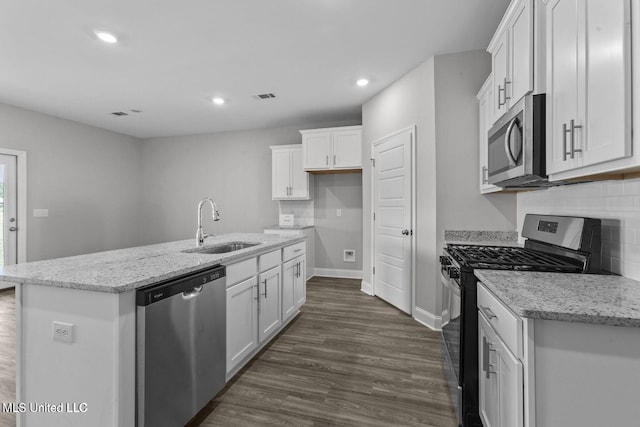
554 243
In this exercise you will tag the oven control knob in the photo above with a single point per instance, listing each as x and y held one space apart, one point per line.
454 273
444 260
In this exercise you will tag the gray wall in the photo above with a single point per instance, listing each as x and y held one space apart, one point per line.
335 234
439 98
459 204
407 102
87 177
234 168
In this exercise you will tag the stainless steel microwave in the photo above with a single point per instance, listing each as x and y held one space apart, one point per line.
516 157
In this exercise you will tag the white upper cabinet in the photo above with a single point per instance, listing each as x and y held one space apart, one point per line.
288 180
332 148
512 54
485 120
588 86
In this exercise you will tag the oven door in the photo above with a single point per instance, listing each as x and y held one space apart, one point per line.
451 343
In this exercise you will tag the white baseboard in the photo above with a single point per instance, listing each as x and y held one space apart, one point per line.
367 288
334 272
445 318
427 319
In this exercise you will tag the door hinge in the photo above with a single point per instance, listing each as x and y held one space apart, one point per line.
373 162
374 270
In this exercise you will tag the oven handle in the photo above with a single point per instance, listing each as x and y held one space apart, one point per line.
450 284
507 148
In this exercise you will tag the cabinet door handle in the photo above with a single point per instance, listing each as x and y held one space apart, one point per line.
573 128
334 160
327 160
500 104
257 293
564 141
484 172
265 288
487 312
505 90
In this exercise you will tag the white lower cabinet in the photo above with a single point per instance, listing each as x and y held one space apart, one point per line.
500 380
242 321
294 287
262 295
269 313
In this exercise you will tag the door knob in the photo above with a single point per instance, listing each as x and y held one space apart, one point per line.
12 228
405 232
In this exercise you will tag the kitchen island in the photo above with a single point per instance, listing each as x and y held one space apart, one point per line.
92 379
566 346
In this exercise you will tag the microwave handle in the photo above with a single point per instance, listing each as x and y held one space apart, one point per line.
506 142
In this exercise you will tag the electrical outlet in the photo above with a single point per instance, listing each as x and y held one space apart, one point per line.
349 255
63 332
339 212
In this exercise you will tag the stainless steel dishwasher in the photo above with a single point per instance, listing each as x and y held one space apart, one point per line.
181 346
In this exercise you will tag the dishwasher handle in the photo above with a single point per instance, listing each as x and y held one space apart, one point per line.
193 293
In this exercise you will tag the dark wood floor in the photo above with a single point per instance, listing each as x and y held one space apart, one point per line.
7 354
348 359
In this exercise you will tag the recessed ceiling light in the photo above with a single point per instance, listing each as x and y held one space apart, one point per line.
362 82
106 36
218 101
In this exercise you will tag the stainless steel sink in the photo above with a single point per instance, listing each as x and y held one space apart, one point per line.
223 248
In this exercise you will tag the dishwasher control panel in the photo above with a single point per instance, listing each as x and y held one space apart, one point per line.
187 283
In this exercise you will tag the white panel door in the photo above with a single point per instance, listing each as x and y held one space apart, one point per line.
562 81
347 149
607 66
392 222
499 69
242 321
317 150
520 48
300 283
280 174
299 178
8 209
289 272
269 304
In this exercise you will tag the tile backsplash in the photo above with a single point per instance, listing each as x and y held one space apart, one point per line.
302 210
617 203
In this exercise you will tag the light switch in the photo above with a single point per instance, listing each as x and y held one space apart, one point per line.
339 212
40 213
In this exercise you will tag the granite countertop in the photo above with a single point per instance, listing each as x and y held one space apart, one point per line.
473 237
123 270
587 298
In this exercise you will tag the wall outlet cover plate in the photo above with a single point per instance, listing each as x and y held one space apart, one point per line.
286 220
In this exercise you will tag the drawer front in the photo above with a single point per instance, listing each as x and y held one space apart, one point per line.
294 251
269 260
241 270
507 325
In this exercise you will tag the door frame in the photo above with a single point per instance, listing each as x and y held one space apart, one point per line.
412 130
21 209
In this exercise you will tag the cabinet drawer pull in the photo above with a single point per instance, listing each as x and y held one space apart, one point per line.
297 250
487 312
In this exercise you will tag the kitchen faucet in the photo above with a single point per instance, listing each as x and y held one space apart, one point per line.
200 233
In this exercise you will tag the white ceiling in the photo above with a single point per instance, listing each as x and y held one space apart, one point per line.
173 56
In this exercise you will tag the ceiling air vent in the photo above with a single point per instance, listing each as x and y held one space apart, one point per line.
119 113
265 96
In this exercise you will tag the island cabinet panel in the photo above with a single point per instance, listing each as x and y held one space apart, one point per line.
97 367
242 321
